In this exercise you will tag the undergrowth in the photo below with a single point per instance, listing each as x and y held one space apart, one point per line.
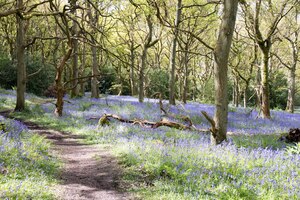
172 164
27 171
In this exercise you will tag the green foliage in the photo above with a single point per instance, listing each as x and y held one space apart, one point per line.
159 82
107 80
8 72
293 149
83 106
36 84
39 82
278 91
258 141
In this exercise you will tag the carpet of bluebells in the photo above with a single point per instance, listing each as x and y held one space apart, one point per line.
177 164
26 169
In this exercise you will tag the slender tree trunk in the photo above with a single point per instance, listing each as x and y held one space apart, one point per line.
83 62
292 74
221 56
233 93
132 78
75 71
173 55
186 76
95 73
237 92
21 67
246 94
142 75
95 64
291 89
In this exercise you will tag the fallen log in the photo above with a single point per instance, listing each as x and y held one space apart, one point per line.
104 120
292 137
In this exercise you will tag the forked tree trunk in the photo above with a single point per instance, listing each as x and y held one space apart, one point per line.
173 55
148 43
59 85
221 55
21 67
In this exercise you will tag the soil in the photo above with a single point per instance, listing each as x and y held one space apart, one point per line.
88 172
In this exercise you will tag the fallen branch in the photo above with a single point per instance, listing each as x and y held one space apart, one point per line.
186 119
212 122
104 120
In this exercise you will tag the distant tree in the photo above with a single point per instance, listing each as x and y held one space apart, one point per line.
265 41
173 53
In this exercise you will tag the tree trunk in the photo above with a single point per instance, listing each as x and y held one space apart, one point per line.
186 76
292 73
173 55
132 78
95 73
21 67
75 71
95 63
265 96
148 43
221 55
291 89
83 62
142 75
237 92
246 94
59 85
233 94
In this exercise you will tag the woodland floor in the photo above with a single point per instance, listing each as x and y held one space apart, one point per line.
88 172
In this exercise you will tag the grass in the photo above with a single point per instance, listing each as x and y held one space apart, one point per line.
173 164
28 170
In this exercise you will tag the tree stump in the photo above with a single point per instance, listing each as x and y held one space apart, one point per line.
293 136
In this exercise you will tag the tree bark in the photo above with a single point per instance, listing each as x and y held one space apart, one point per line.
186 76
142 75
59 85
148 43
21 67
132 63
291 91
75 71
292 71
265 96
95 64
221 55
173 55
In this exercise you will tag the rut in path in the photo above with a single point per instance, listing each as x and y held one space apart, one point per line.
89 172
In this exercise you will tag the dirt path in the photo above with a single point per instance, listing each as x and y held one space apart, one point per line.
89 172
